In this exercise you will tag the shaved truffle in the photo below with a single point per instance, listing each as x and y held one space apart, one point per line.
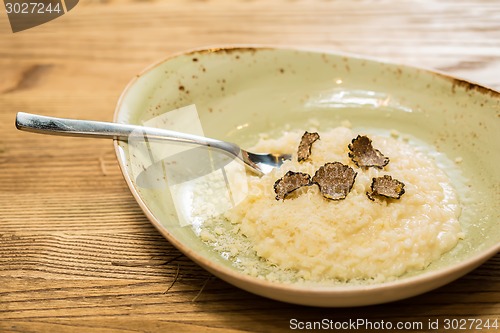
305 145
386 187
364 155
289 183
335 180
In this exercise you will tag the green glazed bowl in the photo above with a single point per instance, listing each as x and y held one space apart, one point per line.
240 92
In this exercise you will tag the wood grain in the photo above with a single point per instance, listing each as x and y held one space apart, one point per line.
76 252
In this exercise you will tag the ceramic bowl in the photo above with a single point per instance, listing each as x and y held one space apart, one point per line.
240 92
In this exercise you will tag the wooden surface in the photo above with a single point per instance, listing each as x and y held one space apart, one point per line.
76 252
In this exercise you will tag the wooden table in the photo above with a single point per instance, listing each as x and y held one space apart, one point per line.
77 253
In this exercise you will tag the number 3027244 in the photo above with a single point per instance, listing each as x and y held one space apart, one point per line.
32 8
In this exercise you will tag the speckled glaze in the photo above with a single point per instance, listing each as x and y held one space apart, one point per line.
242 91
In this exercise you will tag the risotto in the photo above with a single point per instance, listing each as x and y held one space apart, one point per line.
356 238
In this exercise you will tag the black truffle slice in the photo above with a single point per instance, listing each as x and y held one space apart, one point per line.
335 180
289 183
305 145
364 155
386 187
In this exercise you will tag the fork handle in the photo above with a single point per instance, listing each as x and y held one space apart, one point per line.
99 129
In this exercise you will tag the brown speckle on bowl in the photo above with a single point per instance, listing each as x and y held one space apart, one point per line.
227 50
469 86
472 86
183 89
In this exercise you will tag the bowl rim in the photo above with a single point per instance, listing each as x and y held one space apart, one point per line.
323 291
